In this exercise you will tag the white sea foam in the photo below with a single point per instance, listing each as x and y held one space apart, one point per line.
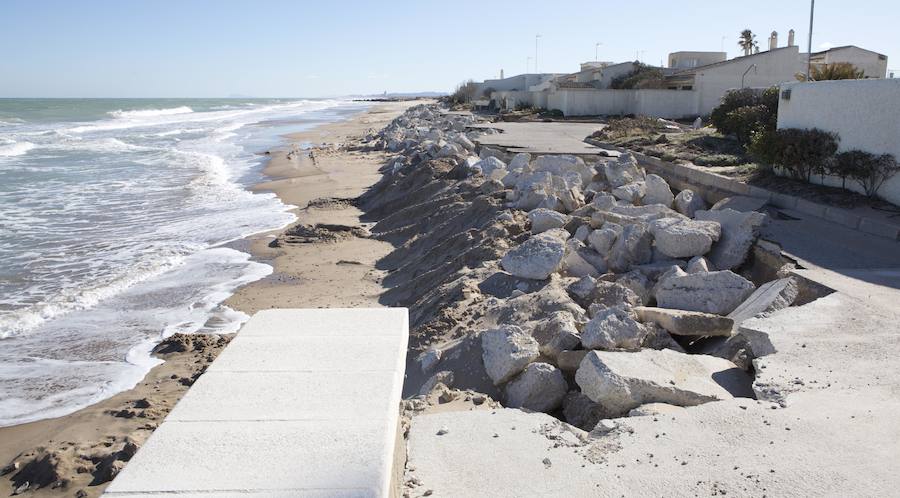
144 113
15 149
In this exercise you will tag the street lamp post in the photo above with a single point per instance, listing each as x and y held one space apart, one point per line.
536 38
812 10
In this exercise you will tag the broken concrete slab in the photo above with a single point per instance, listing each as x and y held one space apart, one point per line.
740 203
769 297
621 381
718 292
686 323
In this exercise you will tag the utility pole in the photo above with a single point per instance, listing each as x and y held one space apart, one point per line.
536 38
812 10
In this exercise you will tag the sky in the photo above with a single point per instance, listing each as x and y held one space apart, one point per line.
281 48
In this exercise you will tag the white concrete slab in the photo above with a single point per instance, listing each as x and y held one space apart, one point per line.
286 395
329 322
308 354
301 403
261 456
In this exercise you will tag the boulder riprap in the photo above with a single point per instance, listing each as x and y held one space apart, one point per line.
689 323
681 238
739 231
613 328
688 203
621 381
717 292
543 219
537 257
657 191
506 351
541 387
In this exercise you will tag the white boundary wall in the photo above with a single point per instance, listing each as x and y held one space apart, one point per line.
865 113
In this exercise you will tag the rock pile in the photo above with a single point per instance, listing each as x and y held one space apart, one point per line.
554 284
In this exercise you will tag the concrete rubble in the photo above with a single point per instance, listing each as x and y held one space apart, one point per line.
595 293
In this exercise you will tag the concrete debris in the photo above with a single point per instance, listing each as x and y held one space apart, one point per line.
739 232
541 387
621 381
506 352
537 257
686 323
718 292
613 328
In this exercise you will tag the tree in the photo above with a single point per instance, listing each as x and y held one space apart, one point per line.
836 71
465 92
747 41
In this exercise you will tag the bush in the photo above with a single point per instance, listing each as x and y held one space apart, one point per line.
642 76
804 152
867 170
744 111
624 127
763 144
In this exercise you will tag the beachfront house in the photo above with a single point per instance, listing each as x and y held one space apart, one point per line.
692 85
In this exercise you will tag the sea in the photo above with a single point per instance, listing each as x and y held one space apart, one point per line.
115 222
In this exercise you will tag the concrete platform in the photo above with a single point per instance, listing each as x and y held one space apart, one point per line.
301 403
545 138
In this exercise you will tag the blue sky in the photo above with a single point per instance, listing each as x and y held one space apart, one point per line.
277 48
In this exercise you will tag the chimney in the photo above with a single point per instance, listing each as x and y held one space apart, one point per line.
773 40
791 38
501 74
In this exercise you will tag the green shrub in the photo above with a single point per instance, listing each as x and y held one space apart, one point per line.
867 170
763 144
744 111
804 152
642 76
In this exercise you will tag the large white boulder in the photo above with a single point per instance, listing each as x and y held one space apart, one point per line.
562 164
489 164
687 323
622 170
657 191
506 351
602 240
621 381
632 193
556 333
687 202
632 247
717 292
577 261
739 231
546 219
683 238
541 387
537 257
613 328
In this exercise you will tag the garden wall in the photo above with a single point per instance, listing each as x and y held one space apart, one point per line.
865 113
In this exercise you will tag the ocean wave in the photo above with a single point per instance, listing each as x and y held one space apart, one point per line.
15 149
144 113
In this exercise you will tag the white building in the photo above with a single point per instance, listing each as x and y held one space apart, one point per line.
690 60
872 64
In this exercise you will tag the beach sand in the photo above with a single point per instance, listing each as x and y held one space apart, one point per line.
86 447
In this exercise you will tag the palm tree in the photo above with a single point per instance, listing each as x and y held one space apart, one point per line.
836 71
747 41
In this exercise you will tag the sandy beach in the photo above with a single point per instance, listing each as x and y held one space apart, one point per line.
78 454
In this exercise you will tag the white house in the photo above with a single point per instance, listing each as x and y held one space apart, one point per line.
873 64
690 60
